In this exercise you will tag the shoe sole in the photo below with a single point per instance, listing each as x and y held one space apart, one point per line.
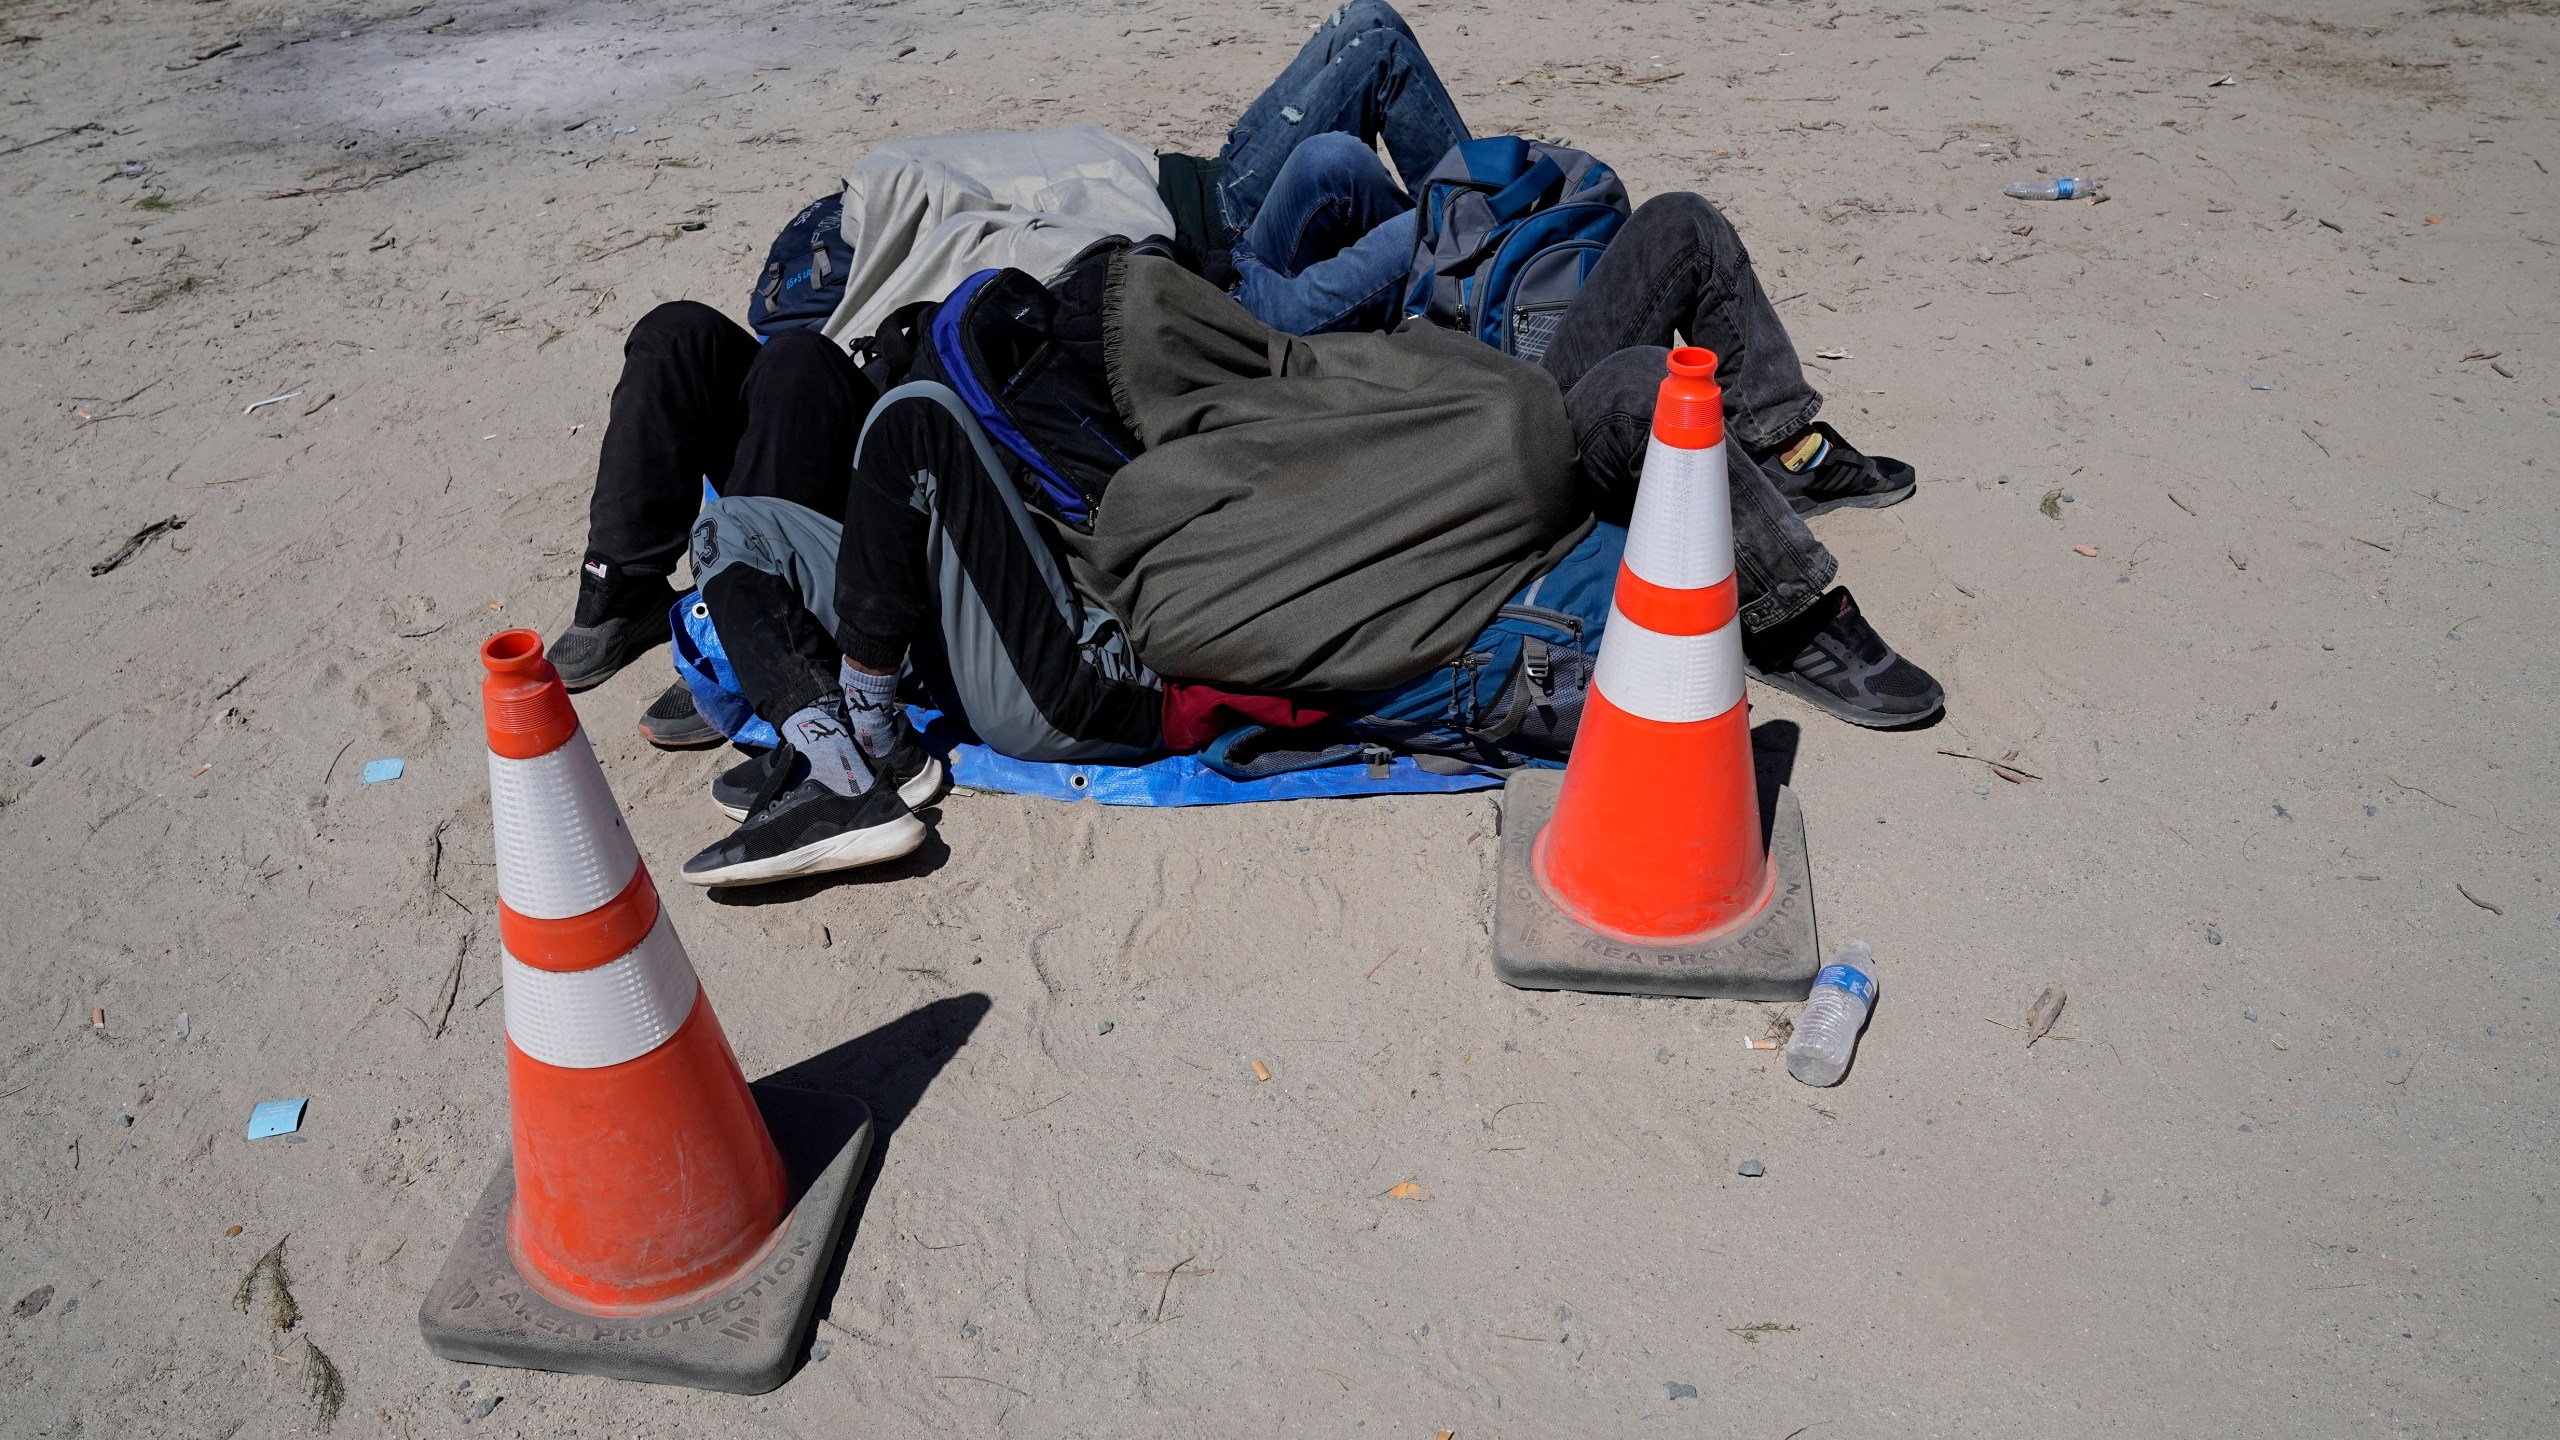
919 792
849 851
1861 502
1822 699
702 737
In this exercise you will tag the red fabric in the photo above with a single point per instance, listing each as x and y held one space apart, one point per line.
1194 715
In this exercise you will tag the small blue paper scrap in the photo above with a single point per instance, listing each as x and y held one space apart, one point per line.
276 1117
377 771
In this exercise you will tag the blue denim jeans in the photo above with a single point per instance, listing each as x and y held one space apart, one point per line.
1331 244
1321 235
1322 239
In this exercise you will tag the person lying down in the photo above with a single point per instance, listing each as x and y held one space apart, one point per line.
1317 519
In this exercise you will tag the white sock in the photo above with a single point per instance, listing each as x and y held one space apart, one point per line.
820 734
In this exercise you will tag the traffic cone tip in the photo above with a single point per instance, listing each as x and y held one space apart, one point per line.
522 699
1688 411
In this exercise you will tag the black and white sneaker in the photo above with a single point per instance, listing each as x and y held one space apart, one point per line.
1819 472
1831 657
799 827
915 772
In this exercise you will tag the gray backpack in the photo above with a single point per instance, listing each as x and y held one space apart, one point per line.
1510 229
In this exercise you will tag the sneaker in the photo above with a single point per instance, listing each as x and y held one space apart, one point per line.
1833 658
801 827
915 772
1819 472
615 625
671 722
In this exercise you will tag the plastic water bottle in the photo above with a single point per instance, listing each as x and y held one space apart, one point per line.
1826 1034
2065 187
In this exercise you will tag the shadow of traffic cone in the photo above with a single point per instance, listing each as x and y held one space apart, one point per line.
1645 869
645 1227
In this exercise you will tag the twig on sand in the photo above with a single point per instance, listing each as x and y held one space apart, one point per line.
49 139
1168 1284
348 183
983 1380
2001 768
2476 900
133 543
452 989
333 762
2396 780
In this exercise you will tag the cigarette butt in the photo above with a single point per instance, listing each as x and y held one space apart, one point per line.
1754 1043
1261 1071
97 1017
199 772
1448 1435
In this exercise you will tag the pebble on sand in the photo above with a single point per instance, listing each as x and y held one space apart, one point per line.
1101 1027
1751 1169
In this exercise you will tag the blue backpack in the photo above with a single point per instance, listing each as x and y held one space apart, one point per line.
1514 698
1026 358
804 273
1510 230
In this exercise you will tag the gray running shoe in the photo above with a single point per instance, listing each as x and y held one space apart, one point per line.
1831 657
615 625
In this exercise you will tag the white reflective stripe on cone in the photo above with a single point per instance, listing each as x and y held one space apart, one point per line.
1671 678
1681 535
562 847
622 1010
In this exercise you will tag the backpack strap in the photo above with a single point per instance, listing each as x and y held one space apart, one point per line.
902 337
1251 752
1528 192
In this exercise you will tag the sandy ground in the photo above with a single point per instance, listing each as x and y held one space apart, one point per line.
2285 1169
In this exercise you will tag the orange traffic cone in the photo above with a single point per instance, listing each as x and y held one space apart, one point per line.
1649 872
647 1201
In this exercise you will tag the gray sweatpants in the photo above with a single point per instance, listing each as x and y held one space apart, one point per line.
977 666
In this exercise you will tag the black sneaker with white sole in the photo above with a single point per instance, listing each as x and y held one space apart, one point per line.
1831 657
1819 472
804 828
917 774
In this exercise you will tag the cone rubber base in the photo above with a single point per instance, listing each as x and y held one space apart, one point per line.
741 1339
1537 947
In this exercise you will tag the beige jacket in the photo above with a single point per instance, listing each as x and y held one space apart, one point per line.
925 214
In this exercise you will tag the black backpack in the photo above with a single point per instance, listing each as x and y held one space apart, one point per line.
1027 359
804 273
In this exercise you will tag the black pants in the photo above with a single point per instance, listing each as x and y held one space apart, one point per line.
700 399
1678 270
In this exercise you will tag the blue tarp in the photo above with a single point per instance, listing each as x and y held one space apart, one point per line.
1173 780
